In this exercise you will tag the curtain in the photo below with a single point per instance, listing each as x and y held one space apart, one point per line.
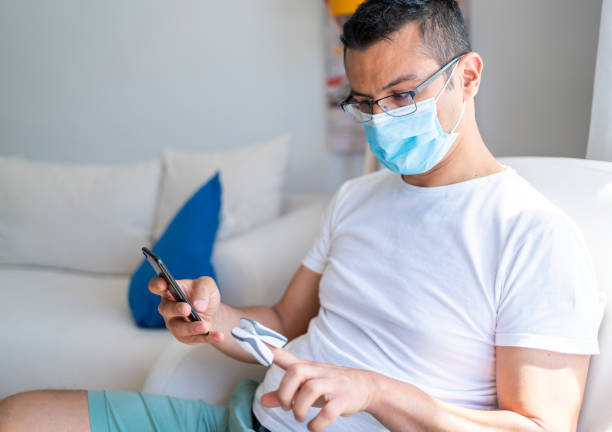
600 135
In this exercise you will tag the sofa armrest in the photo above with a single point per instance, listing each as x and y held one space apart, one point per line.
198 372
256 267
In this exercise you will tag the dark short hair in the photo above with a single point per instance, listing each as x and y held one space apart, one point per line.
441 24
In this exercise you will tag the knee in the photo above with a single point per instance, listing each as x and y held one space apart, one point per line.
45 410
7 412
14 412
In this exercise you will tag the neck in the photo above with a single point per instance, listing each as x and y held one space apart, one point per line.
468 158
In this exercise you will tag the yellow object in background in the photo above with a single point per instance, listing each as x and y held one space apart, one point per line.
344 136
343 7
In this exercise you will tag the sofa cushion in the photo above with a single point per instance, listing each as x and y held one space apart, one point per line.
70 330
185 247
252 178
88 217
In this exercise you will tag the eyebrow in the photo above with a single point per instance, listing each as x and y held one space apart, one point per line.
400 79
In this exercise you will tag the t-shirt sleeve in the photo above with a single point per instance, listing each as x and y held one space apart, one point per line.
316 258
549 298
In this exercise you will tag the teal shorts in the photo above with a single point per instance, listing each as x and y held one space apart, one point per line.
111 411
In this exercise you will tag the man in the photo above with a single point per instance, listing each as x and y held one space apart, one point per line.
443 293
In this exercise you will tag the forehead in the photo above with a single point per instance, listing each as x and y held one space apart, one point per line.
402 53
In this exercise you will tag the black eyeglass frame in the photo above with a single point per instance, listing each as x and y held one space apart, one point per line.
412 93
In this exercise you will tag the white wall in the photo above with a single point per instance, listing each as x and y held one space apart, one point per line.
118 80
537 85
115 80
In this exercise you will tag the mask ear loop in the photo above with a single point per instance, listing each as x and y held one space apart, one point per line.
448 80
459 119
462 106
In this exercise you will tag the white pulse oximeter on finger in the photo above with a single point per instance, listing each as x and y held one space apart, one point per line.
251 336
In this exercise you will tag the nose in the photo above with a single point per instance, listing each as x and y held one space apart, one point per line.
376 109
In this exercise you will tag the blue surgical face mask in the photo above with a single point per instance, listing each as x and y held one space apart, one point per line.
412 144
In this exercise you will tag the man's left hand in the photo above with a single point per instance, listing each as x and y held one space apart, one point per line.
339 391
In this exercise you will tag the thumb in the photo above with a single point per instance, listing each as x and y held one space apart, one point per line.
203 294
284 359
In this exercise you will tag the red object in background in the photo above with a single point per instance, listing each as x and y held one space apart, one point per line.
336 80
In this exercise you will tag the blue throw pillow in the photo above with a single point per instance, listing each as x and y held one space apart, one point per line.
185 247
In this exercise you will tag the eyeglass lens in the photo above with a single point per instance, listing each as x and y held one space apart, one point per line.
362 111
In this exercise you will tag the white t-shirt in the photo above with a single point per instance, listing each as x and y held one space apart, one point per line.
421 283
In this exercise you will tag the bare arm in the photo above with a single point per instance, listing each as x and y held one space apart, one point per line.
537 391
290 316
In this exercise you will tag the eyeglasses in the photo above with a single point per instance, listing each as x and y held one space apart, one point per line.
362 111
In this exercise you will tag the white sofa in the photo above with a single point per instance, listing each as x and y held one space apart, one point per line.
582 188
73 330
70 236
64 329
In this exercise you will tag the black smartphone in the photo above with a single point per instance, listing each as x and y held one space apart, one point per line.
176 291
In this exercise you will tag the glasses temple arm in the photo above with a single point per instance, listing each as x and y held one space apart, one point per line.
436 75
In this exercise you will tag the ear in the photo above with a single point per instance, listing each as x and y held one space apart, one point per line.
470 68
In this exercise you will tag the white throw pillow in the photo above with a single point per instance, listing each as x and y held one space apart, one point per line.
76 216
252 178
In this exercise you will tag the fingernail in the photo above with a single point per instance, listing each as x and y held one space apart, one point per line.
200 304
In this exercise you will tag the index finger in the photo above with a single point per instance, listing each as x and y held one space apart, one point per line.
284 358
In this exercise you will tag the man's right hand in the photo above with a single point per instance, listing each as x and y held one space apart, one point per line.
204 295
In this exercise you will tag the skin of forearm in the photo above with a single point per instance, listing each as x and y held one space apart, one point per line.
229 317
403 407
